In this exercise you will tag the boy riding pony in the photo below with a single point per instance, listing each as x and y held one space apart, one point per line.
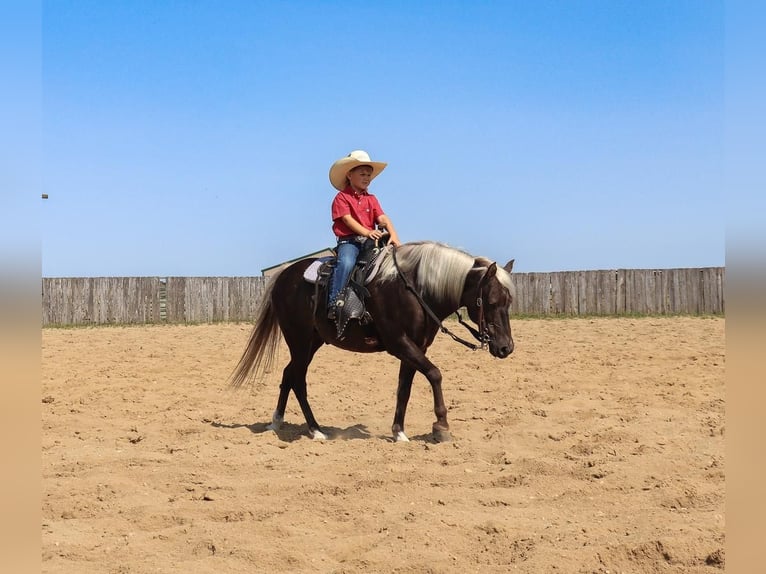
355 213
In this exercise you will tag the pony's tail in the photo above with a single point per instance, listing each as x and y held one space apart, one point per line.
258 357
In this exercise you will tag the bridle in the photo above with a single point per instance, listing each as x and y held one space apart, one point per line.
481 334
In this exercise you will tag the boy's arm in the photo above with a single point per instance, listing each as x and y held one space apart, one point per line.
384 221
355 226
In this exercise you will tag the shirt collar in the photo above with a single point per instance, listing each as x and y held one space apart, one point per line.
351 191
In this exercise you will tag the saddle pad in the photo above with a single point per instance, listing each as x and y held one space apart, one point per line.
310 274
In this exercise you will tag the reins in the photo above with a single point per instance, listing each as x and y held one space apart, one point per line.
481 336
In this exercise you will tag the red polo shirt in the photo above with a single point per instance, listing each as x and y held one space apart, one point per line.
362 207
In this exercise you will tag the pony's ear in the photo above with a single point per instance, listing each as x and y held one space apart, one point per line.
508 266
491 272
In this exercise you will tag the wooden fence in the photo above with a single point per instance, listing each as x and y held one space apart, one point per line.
123 300
621 292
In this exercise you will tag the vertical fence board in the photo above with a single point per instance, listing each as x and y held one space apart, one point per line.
237 300
605 293
677 291
711 289
652 281
630 293
556 281
519 300
721 282
175 300
693 283
144 296
621 292
538 296
707 300
197 300
572 294
640 292
564 296
244 295
664 293
661 292
82 301
587 289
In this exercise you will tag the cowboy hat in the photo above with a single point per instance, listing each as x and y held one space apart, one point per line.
340 168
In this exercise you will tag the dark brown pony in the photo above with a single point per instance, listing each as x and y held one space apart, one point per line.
416 287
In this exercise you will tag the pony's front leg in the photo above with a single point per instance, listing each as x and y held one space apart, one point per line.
406 373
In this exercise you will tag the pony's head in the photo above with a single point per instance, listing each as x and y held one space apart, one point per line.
487 296
456 279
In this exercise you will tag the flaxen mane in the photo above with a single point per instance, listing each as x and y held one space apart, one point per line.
441 269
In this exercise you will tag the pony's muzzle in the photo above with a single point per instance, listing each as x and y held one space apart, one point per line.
501 351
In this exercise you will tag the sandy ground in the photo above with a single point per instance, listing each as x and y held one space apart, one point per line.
598 446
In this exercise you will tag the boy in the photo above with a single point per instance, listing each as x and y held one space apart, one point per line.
355 212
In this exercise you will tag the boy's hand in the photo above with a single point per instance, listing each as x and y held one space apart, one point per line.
375 234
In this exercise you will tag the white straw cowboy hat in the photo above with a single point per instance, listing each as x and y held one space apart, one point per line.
340 168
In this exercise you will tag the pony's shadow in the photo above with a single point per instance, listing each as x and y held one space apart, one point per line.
424 438
290 432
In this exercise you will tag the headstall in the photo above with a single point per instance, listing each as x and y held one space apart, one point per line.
481 334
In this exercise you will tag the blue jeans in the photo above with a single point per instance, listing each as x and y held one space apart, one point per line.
348 251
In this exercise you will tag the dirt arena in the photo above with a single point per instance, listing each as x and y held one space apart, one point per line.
597 447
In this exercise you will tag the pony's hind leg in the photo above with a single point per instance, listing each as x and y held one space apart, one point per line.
276 421
294 378
279 413
406 374
278 417
300 393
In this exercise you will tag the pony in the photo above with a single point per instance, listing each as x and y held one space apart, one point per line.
416 287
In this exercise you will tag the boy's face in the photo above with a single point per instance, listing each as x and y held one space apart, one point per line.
360 177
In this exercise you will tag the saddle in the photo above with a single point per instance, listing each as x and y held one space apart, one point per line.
353 295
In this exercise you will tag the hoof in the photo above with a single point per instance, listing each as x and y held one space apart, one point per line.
401 437
317 435
276 422
441 435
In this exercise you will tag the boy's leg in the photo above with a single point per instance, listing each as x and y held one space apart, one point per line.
347 254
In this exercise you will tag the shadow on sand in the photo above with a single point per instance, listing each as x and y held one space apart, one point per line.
289 432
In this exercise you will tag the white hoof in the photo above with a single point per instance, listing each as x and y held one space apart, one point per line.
276 422
401 437
318 435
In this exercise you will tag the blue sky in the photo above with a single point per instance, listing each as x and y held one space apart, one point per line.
194 138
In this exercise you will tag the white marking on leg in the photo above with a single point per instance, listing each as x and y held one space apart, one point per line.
276 421
318 435
401 437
